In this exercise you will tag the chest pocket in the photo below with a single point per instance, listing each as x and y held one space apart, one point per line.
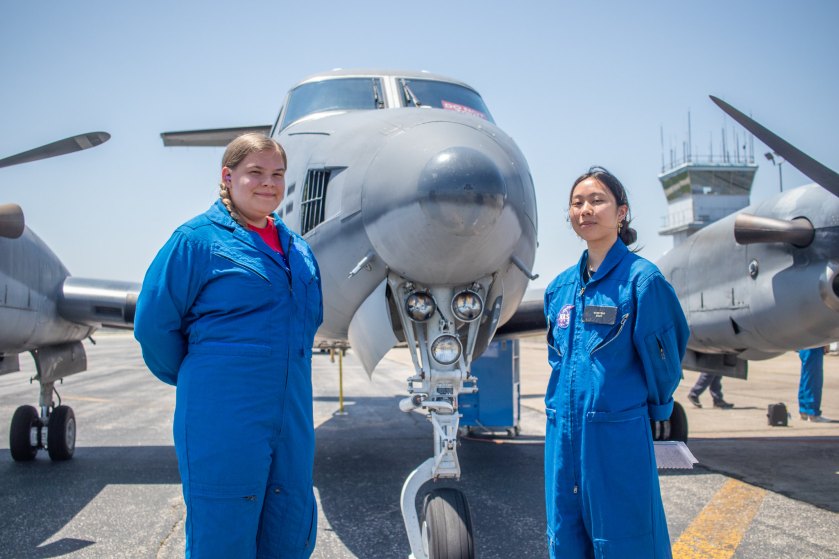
608 335
238 265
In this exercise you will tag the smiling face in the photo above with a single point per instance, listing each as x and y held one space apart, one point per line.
256 184
595 213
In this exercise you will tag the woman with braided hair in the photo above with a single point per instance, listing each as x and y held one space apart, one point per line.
227 313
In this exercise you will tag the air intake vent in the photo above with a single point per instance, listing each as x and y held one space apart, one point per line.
314 199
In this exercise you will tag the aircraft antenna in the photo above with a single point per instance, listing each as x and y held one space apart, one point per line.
661 131
711 146
724 152
690 141
734 140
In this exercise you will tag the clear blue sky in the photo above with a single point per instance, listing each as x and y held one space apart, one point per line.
574 83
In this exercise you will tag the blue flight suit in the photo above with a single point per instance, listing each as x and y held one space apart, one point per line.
616 344
231 323
811 382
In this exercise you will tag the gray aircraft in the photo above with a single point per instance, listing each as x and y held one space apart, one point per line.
422 214
764 280
48 313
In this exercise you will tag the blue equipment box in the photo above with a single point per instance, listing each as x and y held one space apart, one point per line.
497 404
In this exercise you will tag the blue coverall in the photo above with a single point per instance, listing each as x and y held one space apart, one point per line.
811 382
615 348
231 323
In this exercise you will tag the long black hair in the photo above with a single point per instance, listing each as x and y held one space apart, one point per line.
626 233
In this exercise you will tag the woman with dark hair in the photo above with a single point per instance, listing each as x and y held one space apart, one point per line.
227 314
616 338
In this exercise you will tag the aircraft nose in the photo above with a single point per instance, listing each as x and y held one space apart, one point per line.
461 190
436 203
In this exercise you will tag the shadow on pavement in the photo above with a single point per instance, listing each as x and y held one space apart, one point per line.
801 468
40 497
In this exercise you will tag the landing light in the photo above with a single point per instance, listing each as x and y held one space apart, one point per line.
467 306
446 349
420 306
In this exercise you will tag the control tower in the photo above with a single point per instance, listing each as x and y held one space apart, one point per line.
702 189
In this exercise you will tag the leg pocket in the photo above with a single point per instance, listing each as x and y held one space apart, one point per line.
618 475
288 527
222 521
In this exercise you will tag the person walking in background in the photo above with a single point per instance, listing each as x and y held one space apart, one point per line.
714 382
810 385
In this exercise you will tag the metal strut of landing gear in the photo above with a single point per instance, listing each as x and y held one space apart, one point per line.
436 322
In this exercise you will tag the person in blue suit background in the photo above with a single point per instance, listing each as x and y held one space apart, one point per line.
616 338
227 313
810 385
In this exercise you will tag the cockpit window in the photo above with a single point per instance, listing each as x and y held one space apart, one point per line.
346 94
443 95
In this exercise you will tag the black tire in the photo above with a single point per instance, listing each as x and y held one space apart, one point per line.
447 525
61 433
20 445
678 423
674 429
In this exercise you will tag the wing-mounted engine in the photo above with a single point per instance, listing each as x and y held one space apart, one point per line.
12 223
99 302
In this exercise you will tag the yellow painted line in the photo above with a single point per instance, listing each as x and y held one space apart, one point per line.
718 529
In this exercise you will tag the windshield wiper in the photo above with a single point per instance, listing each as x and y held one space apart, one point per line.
409 95
379 103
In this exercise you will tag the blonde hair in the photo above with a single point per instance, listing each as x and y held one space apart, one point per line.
236 152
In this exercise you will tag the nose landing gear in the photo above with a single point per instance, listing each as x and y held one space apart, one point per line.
441 324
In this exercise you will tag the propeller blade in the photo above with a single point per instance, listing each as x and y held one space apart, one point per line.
821 174
61 147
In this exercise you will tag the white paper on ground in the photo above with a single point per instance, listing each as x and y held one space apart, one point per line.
673 455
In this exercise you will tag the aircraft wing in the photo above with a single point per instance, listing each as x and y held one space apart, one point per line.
819 173
99 302
214 137
528 320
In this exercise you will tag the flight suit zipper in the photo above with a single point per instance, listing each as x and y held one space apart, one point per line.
288 258
571 384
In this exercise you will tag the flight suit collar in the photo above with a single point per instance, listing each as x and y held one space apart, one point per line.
219 215
613 257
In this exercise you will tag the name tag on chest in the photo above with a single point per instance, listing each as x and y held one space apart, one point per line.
600 315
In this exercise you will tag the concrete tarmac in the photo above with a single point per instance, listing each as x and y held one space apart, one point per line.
758 491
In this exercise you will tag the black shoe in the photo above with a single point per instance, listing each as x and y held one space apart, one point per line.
723 405
694 400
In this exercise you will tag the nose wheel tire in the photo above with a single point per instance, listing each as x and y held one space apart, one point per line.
678 423
674 429
447 525
61 433
24 420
